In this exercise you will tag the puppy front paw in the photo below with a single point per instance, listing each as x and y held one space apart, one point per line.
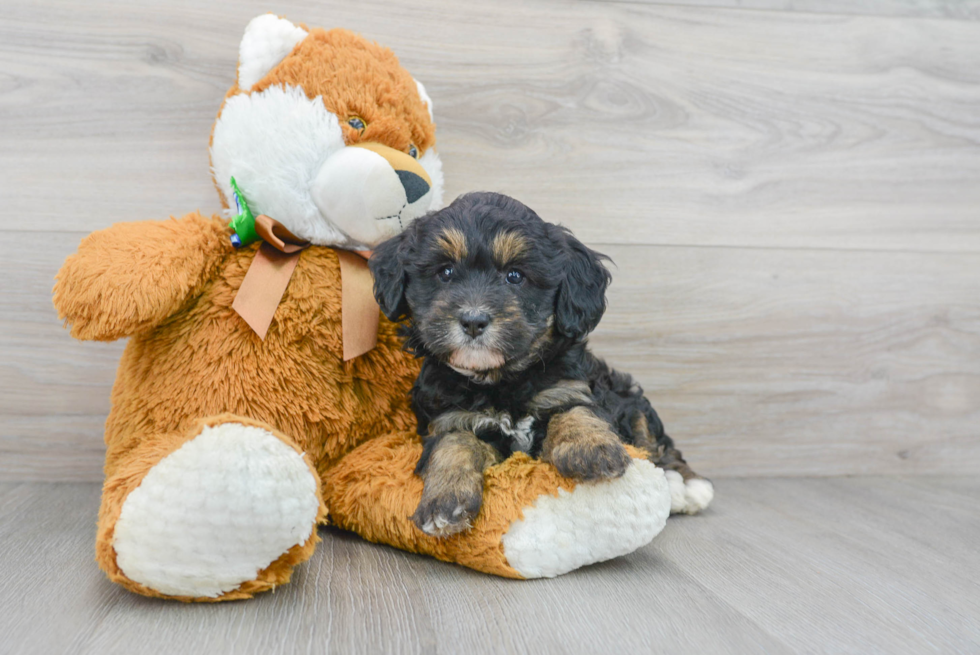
581 446
590 460
450 510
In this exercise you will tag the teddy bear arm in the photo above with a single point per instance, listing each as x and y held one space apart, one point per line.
131 276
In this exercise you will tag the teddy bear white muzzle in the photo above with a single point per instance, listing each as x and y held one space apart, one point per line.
371 191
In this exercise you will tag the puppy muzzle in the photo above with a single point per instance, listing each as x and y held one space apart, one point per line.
371 191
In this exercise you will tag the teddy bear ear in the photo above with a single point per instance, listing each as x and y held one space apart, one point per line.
425 98
267 41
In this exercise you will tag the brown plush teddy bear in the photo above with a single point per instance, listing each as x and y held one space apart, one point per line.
250 404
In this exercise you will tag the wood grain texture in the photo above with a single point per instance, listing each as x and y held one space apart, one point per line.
786 362
777 566
791 198
950 9
630 122
760 361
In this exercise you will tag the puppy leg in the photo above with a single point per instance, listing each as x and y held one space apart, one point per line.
583 446
689 492
453 476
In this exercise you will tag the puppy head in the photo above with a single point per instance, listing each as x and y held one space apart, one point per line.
488 285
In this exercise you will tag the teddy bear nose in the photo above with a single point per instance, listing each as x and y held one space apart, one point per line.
474 323
415 186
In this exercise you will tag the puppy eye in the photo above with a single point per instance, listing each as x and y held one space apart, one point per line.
514 276
446 273
357 123
413 152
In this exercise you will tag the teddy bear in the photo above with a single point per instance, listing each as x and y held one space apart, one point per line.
261 393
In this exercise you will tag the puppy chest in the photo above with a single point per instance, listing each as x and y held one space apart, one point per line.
505 433
496 427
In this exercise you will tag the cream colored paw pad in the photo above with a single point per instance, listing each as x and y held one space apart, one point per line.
593 523
215 512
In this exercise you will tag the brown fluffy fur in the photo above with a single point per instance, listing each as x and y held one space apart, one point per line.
169 285
351 419
294 383
356 77
373 491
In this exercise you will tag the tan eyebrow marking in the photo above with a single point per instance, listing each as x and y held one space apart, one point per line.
453 243
508 246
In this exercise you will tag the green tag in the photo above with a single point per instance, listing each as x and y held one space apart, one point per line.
244 223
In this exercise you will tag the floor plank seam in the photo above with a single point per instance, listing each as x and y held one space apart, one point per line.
783 11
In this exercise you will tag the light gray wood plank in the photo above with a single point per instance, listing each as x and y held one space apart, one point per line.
841 565
52 592
53 448
949 9
43 371
777 565
352 597
629 122
769 362
774 362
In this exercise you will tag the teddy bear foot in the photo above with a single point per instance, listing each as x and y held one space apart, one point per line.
533 523
591 523
211 516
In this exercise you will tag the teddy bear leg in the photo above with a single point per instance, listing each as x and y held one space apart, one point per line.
220 511
533 523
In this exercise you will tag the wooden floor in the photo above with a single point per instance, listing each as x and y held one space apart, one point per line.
860 565
790 190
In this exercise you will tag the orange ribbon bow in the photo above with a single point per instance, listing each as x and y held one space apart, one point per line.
269 275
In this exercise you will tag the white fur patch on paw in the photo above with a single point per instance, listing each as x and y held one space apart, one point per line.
215 512
689 498
593 523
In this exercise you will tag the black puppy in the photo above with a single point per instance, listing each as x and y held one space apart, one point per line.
499 303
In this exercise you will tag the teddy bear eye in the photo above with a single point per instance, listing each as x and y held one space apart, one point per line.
356 122
446 273
514 276
413 152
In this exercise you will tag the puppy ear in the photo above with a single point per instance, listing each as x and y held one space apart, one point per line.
388 268
581 299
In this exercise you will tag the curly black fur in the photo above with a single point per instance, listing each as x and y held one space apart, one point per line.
538 326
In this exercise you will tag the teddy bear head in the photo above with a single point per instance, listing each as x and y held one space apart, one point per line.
325 132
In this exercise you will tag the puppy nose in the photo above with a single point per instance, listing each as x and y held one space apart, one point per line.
474 323
415 187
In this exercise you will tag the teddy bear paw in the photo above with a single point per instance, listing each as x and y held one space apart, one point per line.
596 521
591 461
215 512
